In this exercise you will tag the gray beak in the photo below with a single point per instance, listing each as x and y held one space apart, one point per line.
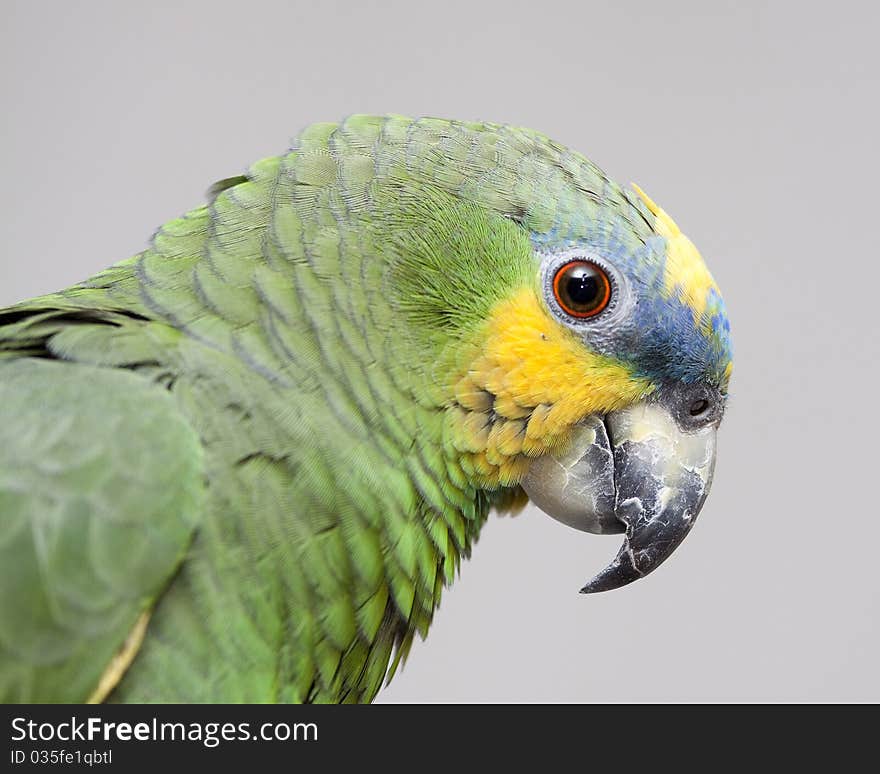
644 471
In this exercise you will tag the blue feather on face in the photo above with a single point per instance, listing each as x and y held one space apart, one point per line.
663 337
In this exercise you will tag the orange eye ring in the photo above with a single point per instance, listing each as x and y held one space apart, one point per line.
581 288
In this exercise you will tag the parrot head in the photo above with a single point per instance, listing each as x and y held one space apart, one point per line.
651 327
591 355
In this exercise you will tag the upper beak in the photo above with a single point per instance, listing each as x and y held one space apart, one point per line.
644 471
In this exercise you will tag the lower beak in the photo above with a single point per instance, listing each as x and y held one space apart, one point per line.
634 471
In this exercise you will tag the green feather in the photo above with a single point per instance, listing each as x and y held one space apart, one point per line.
286 345
100 492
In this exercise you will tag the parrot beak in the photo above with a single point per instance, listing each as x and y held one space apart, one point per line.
644 471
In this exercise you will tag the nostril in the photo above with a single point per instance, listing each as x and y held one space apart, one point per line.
699 407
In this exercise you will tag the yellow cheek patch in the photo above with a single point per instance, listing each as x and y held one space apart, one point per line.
686 272
529 380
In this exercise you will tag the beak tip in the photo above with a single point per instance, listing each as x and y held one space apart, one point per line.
598 585
621 572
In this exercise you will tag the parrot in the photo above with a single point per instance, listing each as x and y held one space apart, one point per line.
243 465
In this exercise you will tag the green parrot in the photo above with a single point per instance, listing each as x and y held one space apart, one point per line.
242 465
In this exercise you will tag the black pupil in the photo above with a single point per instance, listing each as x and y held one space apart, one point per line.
698 407
583 287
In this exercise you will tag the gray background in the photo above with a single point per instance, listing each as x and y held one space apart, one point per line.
754 125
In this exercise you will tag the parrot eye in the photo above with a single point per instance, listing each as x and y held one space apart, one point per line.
581 288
